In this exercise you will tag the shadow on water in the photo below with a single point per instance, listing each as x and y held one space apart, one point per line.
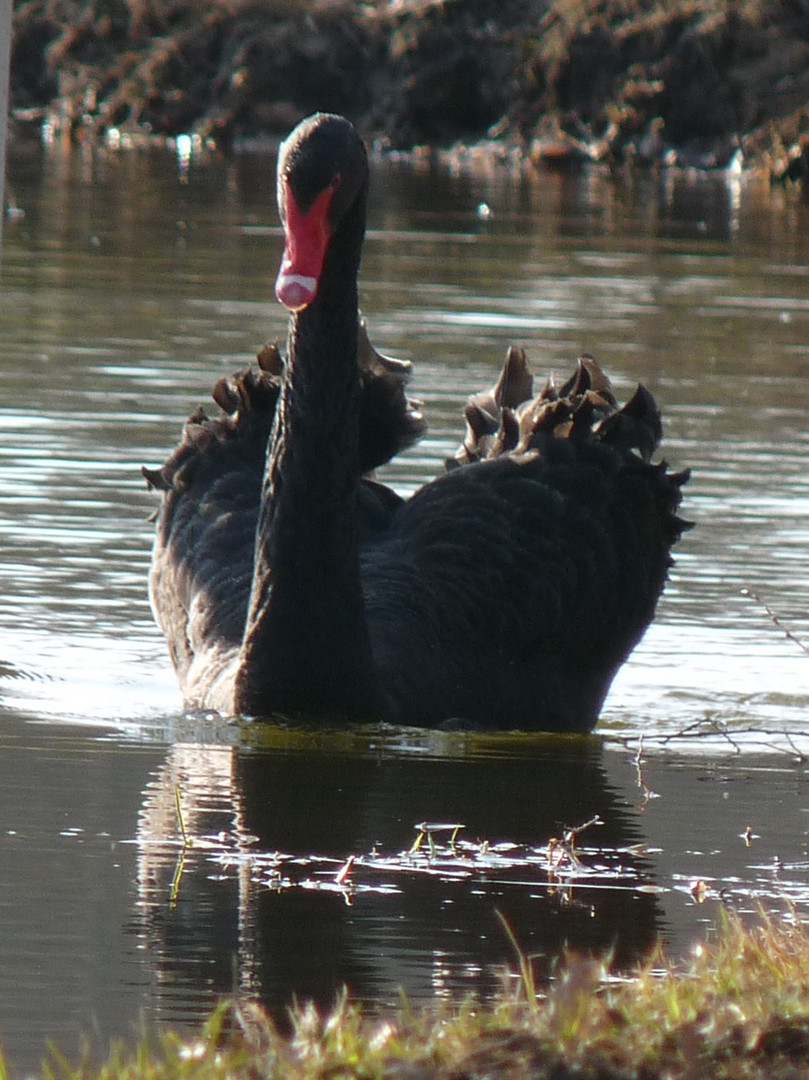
142 881
128 287
269 834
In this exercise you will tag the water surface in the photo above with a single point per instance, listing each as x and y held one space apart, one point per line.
128 287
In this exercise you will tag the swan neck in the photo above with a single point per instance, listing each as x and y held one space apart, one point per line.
306 644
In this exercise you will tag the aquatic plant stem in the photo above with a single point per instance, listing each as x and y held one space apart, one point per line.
5 53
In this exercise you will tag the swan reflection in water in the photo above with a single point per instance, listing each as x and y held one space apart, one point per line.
506 593
253 901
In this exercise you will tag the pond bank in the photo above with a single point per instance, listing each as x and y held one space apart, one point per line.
738 1010
691 83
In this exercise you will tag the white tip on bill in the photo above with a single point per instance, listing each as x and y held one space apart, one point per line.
295 291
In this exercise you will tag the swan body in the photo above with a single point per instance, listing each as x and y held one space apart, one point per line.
504 594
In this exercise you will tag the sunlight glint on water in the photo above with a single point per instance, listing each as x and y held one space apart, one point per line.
120 312
125 295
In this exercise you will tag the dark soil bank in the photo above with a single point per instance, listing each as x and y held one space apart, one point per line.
688 80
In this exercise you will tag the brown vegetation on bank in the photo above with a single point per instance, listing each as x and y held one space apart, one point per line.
690 81
738 1011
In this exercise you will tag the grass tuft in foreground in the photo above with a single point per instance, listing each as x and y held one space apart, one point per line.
738 1009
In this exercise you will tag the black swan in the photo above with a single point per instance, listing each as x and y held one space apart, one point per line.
503 595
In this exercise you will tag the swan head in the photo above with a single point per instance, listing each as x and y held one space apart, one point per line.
322 171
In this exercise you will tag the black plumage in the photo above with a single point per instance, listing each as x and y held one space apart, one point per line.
504 594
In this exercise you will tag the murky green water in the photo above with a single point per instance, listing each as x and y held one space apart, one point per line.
127 289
